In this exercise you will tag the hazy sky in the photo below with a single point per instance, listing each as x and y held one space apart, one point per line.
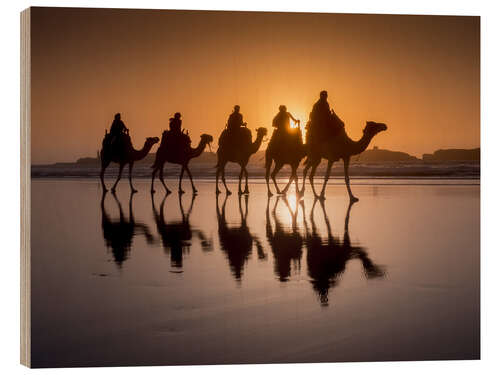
418 74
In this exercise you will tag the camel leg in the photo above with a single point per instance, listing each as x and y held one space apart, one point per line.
217 173
239 181
180 181
104 165
304 175
163 181
311 178
113 189
277 168
228 192
269 161
153 180
327 176
295 178
347 180
292 177
191 179
246 191
130 166
297 192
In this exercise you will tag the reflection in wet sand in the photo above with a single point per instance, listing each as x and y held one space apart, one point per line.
118 234
286 243
427 237
327 258
237 242
176 236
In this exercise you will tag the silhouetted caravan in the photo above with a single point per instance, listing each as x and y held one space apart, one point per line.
237 242
235 145
118 234
117 147
175 147
176 236
286 243
285 147
327 258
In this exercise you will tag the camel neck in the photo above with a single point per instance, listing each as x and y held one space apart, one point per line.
257 143
362 144
141 154
195 152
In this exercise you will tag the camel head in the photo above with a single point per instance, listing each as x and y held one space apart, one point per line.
261 132
206 138
372 128
150 141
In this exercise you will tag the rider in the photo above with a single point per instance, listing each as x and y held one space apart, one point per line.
323 121
281 122
282 119
117 128
176 138
235 120
175 123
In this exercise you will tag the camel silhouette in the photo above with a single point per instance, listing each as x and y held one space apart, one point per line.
118 234
123 153
237 242
177 156
285 147
176 236
236 148
327 258
336 148
286 243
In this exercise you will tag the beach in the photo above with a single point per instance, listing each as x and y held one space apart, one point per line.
166 280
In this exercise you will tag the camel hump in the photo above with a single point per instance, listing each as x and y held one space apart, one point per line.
175 139
239 136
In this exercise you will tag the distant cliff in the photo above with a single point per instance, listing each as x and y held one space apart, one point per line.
454 155
374 155
377 155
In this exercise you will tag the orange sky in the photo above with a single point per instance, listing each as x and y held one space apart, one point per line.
418 74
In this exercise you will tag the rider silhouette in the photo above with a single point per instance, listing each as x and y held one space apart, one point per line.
235 120
281 122
117 128
175 123
282 119
175 138
323 121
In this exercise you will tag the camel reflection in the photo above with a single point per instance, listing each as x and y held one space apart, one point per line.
237 242
176 236
327 259
286 243
118 234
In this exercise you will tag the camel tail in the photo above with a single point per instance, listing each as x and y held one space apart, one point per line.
306 161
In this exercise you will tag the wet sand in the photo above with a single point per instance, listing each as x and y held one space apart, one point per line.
247 280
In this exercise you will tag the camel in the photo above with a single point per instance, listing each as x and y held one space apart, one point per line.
237 242
238 151
181 157
285 147
123 153
336 148
286 243
327 258
176 236
118 234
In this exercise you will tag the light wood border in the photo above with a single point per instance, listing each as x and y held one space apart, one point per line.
25 349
